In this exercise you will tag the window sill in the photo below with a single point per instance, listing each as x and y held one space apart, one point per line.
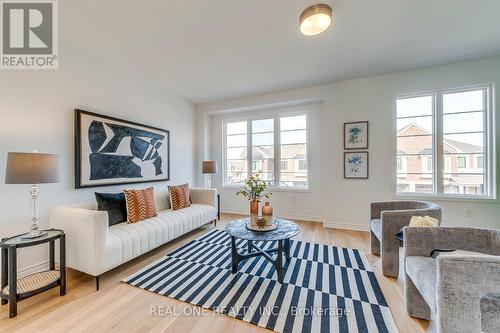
271 189
449 198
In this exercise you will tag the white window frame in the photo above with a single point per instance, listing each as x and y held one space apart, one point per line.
489 161
276 115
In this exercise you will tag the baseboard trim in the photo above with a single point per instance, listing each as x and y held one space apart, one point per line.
286 216
348 226
41 266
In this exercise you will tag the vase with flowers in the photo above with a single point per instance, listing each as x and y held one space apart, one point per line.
254 191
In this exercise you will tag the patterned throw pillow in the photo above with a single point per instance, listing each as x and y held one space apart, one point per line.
140 204
179 196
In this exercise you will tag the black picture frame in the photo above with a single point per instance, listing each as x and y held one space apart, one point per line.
78 149
346 153
367 135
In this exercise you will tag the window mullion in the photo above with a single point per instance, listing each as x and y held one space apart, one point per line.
277 151
249 148
438 144
488 153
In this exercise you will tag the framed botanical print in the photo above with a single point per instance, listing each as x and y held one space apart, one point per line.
356 135
111 151
356 165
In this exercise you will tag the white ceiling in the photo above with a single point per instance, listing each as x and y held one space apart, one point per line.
207 50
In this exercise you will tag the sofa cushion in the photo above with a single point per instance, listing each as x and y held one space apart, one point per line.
422 272
114 204
376 227
127 241
179 196
140 204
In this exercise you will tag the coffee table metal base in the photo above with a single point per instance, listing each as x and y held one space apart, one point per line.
254 251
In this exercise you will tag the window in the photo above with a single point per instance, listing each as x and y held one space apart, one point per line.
302 165
263 148
399 164
293 149
427 164
253 145
480 162
415 143
451 133
461 162
236 152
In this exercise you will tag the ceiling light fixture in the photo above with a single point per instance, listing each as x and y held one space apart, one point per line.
315 19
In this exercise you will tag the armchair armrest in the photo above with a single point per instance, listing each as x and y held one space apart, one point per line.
376 208
206 196
461 282
490 312
394 220
420 241
86 233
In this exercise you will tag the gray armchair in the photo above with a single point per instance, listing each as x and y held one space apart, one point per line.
386 219
447 290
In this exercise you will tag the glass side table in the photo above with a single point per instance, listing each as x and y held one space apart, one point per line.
13 289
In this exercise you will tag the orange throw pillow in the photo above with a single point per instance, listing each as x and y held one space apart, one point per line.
179 196
140 204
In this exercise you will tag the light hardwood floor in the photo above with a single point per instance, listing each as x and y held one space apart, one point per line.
119 307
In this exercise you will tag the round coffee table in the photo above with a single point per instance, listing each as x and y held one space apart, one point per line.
286 230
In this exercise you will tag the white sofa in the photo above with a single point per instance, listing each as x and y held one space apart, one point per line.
93 247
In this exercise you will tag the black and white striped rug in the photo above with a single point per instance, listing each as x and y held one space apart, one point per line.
325 288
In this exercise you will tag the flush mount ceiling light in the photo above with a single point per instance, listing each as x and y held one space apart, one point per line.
315 19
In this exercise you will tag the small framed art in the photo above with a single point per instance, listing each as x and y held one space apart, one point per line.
356 165
356 135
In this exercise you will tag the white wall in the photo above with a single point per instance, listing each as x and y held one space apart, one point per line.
302 204
346 202
36 109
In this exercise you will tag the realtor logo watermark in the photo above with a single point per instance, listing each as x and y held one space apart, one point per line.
29 34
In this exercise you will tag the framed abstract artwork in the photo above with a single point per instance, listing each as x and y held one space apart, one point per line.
112 151
356 165
356 135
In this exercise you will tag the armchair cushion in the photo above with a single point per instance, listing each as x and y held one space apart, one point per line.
376 227
422 271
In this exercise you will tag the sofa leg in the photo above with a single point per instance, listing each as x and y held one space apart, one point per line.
97 283
375 243
415 303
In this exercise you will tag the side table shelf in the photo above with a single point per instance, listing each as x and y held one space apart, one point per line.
35 283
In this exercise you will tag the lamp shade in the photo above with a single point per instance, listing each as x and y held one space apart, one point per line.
31 168
209 167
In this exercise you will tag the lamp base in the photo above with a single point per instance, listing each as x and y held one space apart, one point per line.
31 235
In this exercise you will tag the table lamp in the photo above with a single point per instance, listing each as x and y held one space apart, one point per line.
32 168
209 168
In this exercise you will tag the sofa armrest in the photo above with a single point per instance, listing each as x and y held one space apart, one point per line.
86 235
205 196
420 241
